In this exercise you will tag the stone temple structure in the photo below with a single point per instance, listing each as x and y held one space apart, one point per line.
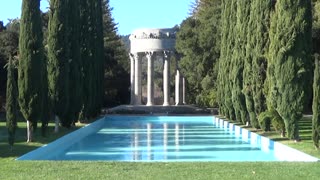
151 43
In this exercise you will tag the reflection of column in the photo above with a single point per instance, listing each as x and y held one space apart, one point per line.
165 140
183 90
166 79
183 134
136 145
132 74
137 78
177 137
149 141
150 79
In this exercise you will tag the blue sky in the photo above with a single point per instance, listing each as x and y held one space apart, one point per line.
129 14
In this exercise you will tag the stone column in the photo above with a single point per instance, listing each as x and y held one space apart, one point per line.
166 79
137 79
176 94
150 56
132 84
184 90
178 88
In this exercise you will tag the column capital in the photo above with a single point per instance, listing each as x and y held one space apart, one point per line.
150 54
135 55
167 54
131 56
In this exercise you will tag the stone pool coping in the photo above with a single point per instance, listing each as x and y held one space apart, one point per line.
282 152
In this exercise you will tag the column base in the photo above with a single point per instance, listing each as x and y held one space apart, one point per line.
166 104
149 104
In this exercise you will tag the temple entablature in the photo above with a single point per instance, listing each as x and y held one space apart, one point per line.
153 40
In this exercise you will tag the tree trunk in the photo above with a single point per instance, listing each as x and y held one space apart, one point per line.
29 132
57 121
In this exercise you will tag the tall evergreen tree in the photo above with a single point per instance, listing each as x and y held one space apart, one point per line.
85 55
11 103
220 81
238 58
92 56
316 105
8 48
30 64
289 67
58 57
260 54
45 113
228 38
256 59
99 56
75 63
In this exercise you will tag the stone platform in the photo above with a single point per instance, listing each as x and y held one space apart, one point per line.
160 110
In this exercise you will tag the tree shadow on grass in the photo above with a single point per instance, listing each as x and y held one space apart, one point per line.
279 139
305 138
21 147
18 150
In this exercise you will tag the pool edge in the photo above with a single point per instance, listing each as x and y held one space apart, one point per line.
282 151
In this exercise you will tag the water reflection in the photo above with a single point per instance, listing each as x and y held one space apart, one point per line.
136 145
161 141
165 140
149 141
157 141
176 137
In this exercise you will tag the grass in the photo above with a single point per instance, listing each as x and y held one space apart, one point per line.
11 169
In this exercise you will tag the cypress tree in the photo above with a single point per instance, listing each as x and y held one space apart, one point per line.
230 31
45 113
256 60
30 64
290 62
92 56
316 105
99 57
237 59
86 53
220 81
11 103
58 59
248 71
75 63
260 54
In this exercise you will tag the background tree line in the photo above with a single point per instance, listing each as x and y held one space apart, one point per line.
65 63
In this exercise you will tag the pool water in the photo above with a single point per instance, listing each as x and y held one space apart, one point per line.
164 138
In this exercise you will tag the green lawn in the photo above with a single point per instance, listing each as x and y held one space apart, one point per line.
11 169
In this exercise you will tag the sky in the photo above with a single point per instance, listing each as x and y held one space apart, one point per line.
128 14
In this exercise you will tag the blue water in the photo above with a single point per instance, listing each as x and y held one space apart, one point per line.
163 139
